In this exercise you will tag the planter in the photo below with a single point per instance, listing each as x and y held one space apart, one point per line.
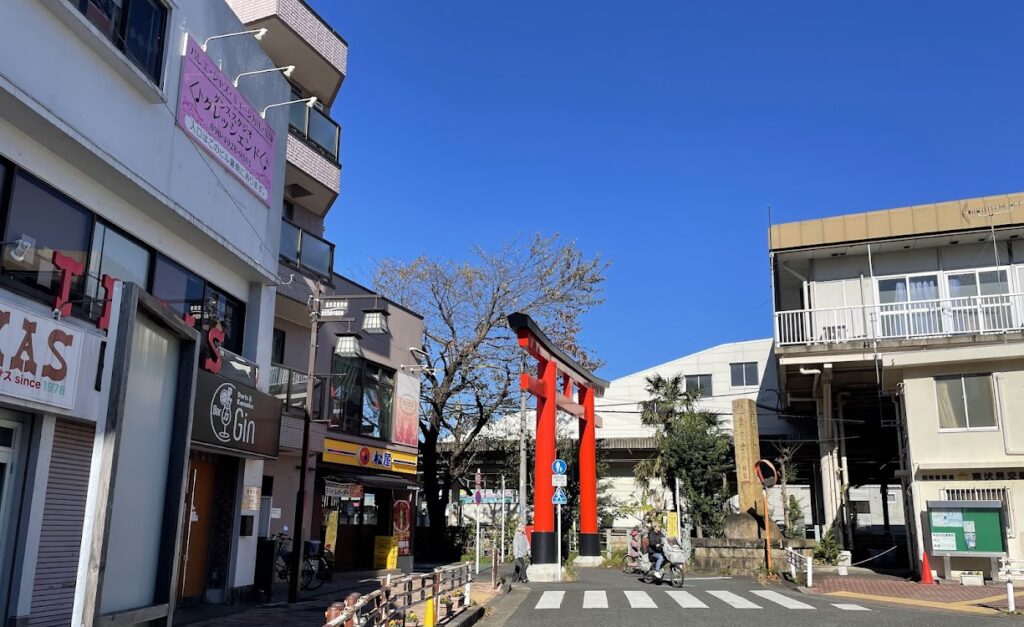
972 579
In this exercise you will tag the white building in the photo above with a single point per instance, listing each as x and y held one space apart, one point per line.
901 330
125 152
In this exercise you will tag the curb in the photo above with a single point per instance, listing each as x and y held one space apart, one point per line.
469 617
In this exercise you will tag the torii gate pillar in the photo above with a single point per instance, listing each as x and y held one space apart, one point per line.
559 375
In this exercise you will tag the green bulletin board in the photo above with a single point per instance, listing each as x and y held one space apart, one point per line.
966 527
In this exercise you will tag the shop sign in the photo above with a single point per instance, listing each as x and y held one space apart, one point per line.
251 498
218 118
230 415
406 428
354 454
492 497
385 552
39 357
401 518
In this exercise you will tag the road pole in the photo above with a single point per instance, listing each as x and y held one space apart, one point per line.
558 540
504 510
767 530
679 516
478 538
300 496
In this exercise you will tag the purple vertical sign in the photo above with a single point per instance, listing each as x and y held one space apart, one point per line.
218 118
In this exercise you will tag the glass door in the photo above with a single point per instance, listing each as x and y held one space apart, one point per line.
909 306
979 302
10 433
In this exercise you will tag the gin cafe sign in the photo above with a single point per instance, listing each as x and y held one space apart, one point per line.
233 416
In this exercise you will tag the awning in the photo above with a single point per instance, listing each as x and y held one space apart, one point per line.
375 481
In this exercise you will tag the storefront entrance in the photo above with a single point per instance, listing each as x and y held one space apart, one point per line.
12 438
196 529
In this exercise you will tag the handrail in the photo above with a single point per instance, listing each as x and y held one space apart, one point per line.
383 604
800 562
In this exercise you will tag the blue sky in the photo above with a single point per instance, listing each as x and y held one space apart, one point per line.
656 133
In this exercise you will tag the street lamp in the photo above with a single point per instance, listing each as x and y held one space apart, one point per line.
258 34
348 346
375 321
286 70
309 104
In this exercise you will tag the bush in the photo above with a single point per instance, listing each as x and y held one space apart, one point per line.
795 523
572 573
827 549
615 559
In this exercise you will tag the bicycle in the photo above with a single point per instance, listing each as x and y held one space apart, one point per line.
315 566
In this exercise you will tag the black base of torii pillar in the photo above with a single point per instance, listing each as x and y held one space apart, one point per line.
558 376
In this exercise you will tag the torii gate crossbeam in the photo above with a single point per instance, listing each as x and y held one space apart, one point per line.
558 376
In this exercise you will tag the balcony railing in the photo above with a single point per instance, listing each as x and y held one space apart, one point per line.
305 249
942 317
290 386
318 129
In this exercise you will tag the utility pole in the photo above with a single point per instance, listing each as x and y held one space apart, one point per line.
522 450
504 510
300 496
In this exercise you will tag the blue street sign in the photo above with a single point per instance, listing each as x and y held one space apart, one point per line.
477 497
559 466
558 498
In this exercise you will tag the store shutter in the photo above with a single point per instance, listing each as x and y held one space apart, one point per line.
60 539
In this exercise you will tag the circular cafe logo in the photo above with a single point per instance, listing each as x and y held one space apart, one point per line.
222 411
364 456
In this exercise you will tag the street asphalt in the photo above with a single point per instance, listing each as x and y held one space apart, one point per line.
607 597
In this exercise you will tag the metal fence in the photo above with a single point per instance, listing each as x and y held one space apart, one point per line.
398 595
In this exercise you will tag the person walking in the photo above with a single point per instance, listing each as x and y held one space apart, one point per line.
520 550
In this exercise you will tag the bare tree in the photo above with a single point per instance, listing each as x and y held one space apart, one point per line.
472 361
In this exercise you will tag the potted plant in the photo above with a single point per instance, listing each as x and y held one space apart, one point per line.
447 602
412 619
972 578
457 597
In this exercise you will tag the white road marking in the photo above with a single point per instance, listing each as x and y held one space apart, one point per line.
787 602
707 578
852 607
639 599
595 599
685 599
734 600
550 600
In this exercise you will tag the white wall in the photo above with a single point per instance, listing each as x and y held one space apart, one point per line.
619 406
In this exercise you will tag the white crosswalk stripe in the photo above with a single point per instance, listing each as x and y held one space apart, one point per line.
640 599
595 599
550 600
734 600
852 607
685 599
781 599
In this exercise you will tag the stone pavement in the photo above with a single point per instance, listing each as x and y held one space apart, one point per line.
947 596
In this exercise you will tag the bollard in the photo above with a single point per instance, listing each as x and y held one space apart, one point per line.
844 562
810 574
792 564
1010 601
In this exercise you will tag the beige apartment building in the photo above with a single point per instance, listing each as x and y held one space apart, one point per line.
901 332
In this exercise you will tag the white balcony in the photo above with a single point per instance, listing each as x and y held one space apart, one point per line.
923 319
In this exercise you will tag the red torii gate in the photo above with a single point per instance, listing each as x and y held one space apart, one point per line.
557 375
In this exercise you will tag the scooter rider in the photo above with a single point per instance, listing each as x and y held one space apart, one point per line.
655 547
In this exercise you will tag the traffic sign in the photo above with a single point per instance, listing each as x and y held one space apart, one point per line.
559 466
558 498
766 473
477 498
479 479
333 308
559 481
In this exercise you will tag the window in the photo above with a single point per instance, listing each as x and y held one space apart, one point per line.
361 397
699 384
177 287
890 496
52 222
135 27
290 241
277 349
908 305
118 256
288 211
744 374
370 508
225 313
306 250
966 402
977 301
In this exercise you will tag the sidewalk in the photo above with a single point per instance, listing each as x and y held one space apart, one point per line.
989 599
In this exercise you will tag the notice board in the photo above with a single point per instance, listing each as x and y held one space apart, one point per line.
963 528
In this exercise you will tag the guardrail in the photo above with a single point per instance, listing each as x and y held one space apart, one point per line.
397 595
798 562
1008 569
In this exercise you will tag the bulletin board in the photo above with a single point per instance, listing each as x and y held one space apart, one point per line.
966 528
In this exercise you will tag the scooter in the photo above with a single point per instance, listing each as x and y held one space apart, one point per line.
673 562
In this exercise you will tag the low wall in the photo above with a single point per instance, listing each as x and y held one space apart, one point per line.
742 557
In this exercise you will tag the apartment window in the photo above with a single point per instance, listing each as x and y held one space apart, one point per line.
890 496
978 301
361 397
277 348
699 384
966 402
744 374
306 250
118 256
52 222
135 27
290 235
